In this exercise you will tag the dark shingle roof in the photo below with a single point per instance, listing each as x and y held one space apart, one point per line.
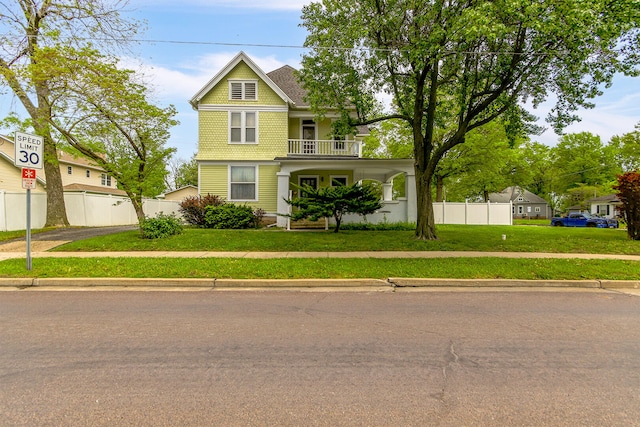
286 80
512 194
611 198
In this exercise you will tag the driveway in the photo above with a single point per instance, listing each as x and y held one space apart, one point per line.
50 239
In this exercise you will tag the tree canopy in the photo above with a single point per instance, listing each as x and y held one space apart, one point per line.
454 66
106 115
34 32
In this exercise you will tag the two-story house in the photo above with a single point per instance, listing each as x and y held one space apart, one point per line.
258 137
79 174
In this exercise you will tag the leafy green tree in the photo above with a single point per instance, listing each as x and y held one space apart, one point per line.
105 114
35 29
537 178
580 159
626 150
335 201
484 164
464 63
187 173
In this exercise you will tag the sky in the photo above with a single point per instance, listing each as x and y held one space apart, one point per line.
187 42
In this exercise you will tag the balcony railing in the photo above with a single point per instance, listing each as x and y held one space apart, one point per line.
308 147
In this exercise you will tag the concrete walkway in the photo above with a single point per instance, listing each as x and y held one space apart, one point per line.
14 254
49 240
390 284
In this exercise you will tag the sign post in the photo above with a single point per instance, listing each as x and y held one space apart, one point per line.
28 156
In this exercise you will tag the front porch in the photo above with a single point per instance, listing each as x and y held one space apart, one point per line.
323 171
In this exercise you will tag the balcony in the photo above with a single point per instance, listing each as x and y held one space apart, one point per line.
335 148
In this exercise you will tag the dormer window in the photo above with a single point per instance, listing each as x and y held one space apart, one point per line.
243 90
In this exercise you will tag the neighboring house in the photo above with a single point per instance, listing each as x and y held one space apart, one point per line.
525 203
605 206
258 139
181 193
78 173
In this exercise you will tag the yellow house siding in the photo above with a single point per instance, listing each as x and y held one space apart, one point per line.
214 137
219 95
11 178
213 133
213 180
268 191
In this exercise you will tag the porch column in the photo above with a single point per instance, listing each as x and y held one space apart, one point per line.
283 193
387 191
412 199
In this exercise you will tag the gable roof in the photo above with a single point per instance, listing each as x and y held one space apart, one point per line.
241 57
511 194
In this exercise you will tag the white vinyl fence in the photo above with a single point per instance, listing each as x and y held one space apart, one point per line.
83 210
444 213
473 213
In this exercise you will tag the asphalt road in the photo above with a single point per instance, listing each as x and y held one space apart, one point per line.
563 358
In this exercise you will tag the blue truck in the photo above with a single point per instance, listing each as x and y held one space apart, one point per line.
583 220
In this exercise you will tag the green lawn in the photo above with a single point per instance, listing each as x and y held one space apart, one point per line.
324 268
452 238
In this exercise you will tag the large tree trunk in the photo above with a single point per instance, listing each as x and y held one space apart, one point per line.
137 206
56 211
425 224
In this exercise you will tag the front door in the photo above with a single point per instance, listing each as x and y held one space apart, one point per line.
308 137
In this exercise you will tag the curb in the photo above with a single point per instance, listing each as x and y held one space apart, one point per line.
364 284
493 283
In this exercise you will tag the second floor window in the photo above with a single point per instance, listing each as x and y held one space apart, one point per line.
246 91
88 173
106 180
243 127
69 170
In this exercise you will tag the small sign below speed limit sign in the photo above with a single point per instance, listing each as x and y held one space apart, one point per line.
29 150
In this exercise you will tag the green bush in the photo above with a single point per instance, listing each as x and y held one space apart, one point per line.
230 216
161 226
193 208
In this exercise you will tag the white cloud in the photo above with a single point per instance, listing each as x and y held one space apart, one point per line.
178 84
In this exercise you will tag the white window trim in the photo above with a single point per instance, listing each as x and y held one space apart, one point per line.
243 82
229 182
105 180
243 127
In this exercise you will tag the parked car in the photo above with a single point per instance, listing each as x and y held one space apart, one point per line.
584 220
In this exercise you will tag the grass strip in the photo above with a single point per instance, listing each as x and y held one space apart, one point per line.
298 268
452 238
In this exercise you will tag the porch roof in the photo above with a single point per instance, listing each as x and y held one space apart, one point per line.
363 168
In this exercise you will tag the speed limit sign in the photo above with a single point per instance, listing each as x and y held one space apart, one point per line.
29 150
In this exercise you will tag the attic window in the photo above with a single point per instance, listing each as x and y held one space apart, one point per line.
247 91
520 199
